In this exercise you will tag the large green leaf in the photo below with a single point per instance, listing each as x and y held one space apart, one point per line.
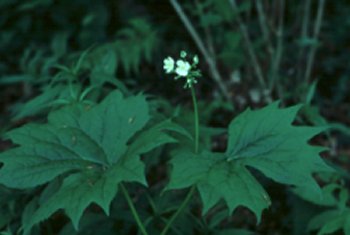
262 139
216 179
266 140
80 190
92 149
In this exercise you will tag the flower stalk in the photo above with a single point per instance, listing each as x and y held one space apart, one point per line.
184 69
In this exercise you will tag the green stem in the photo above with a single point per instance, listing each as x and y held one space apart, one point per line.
133 210
196 145
182 206
196 120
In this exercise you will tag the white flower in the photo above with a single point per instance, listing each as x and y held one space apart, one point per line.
169 64
183 67
183 54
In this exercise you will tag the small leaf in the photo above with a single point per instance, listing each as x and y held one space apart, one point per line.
106 66
311 92
38 103
329 221
10 79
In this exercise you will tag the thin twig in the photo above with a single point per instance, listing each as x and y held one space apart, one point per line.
317 28
264 26
207 31
303 36
211 63
249 45
279 49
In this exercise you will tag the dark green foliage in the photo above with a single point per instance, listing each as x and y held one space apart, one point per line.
87 112
88 146
262 139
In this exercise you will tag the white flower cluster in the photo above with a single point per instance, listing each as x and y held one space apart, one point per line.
183 68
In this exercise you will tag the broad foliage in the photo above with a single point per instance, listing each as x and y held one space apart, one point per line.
264 140
90 149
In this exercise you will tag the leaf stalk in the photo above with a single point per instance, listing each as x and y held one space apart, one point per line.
133 210
196 146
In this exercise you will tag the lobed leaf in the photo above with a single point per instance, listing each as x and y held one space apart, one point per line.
90 148
266 140
262 139
218 179
80 190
